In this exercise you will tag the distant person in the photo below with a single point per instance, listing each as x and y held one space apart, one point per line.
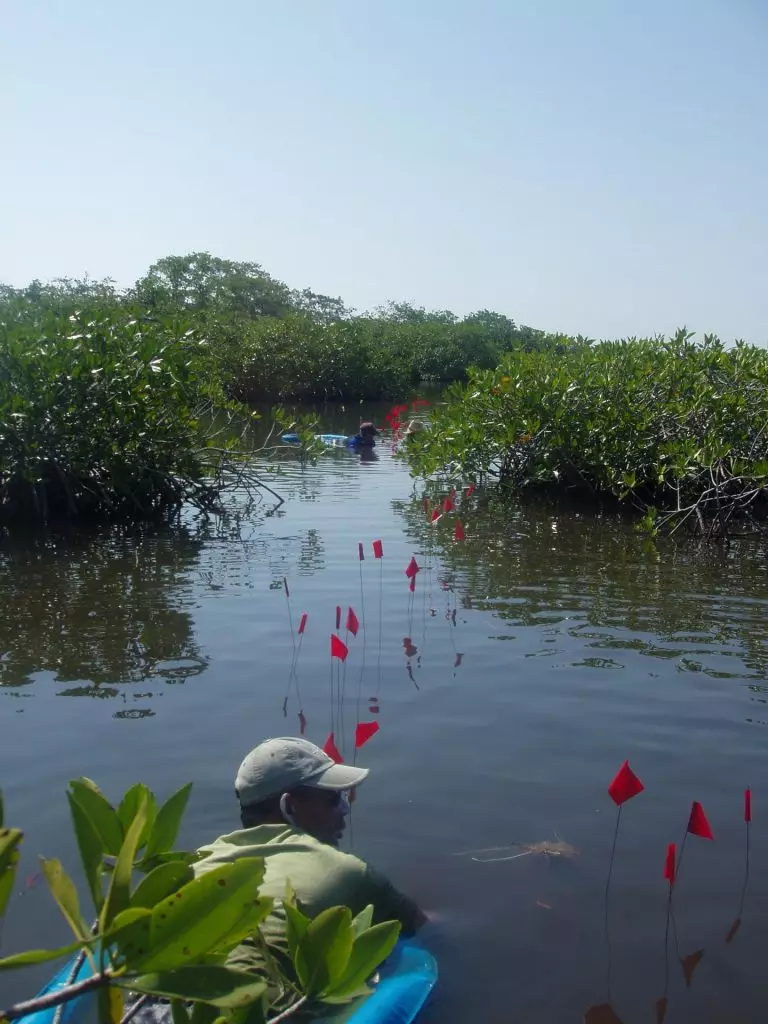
365 437
293 805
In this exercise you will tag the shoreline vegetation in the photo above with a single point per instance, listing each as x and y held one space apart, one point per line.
675 431
137 402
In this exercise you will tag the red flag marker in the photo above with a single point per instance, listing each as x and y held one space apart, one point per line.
303 623
378 549
469 491
332 750
458 531
669 865
447 505
338 616
352 622
747 805
625 785
436 515
360 554
412 569
698 824
412 585
364 731
285 584
338 648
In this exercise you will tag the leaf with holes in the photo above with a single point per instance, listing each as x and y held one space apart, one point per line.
164 880
221 904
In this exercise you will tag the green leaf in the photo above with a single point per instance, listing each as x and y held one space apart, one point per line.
166 825
128 935
161 882
179 1013
100 813
363 921
129 807
111 1005
91 849
324 951
296 925
40 956
368 951
63 891
119 892
221 904
220 986
10 840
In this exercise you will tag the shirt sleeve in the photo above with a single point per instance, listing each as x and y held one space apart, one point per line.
389 904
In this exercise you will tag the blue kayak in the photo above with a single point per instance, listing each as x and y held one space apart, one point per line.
405 982
329 440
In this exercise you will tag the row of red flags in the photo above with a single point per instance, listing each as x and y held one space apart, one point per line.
626 785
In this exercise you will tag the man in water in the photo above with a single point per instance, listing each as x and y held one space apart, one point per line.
293 805
365 437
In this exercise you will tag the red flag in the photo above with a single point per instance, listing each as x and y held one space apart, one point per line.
378 549
338 648
625 785
364 731
669 865
412 585
360 554
332 750
352 624
285 584
436 515
698 824
747 805
448 505
412 569
303 623
469 491
338 616
458 531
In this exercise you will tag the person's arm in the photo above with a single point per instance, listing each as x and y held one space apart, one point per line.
391 905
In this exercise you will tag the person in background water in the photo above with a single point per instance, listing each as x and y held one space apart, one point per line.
293 805
365 437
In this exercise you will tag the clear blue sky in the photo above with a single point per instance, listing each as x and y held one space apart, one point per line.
596 166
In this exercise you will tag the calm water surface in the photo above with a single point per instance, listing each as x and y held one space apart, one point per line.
532 659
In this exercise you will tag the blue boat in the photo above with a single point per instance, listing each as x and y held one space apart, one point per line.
405 982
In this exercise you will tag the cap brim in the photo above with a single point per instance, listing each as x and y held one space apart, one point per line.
339 776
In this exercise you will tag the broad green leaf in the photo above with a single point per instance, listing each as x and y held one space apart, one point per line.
39 956
91 849
100 813
167 822
164 880
173 856
63 891
296 925
202 1013
128 935
220 986
179 1013
10 840
246 925
363 921
324 951
219 904
369 950
129 806
119 892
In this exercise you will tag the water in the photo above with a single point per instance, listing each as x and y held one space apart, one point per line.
576 644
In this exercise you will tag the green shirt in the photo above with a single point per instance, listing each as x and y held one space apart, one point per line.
320 875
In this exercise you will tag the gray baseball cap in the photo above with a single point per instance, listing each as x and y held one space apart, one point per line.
279 765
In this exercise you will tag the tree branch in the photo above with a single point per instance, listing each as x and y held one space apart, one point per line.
62 995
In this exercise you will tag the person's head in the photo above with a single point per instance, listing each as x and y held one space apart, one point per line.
368 430
291 780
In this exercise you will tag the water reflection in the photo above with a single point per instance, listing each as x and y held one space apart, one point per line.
98 610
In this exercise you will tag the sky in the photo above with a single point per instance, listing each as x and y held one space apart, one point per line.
590 166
